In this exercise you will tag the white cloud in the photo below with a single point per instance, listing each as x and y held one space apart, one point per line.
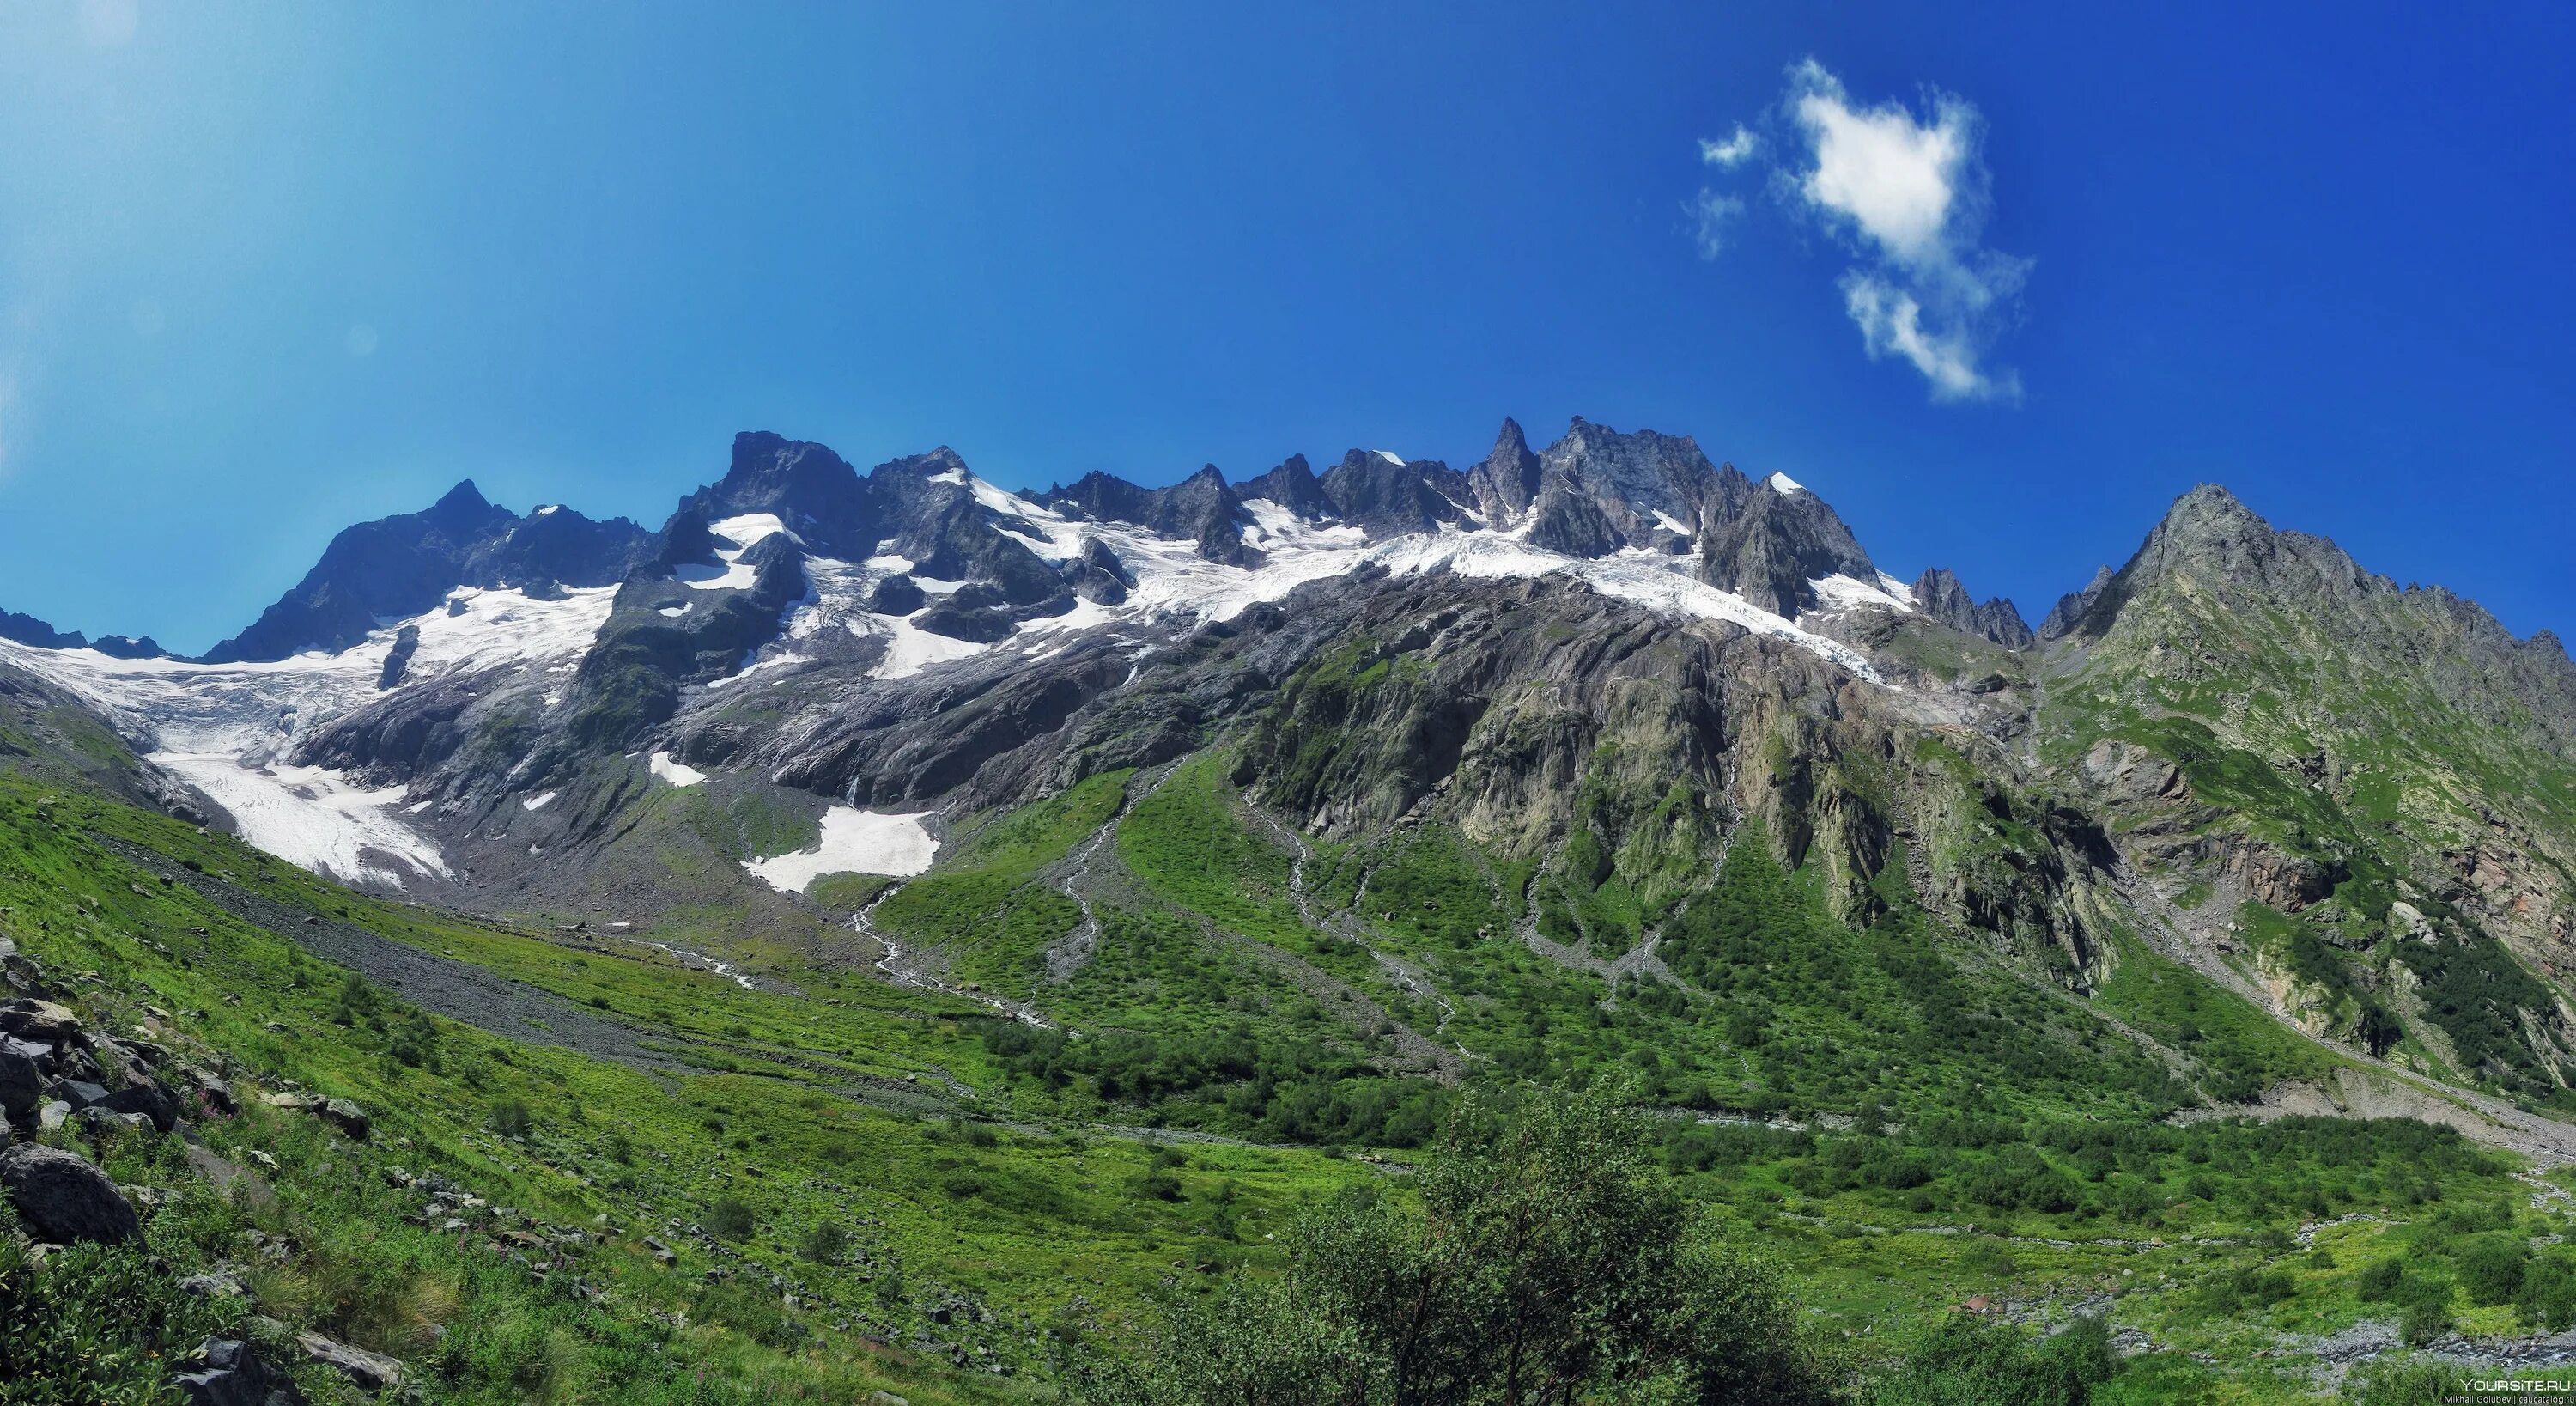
1734 151
1911 195
1891 323
1710 214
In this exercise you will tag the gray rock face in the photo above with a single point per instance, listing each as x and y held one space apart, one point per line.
1940 596
63 1198
1779 541
229 1372
405 565
2071 607
367 1371
1385 497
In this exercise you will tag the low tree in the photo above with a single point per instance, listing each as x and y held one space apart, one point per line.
1547 1263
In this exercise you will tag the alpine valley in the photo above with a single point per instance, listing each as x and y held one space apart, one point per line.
878 932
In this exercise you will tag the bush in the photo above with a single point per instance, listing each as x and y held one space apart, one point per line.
1549 1229
825 1244
2423 1321
729 1218
1968 1360
2491 1268
511 1118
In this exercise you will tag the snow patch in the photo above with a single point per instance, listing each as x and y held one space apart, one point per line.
909 649
735 574
853 842
1840 592
538 802
1784 485
676 773
1390 456
313 818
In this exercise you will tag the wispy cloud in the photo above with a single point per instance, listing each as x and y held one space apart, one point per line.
1911 194
1733 150
1907 193
1710 213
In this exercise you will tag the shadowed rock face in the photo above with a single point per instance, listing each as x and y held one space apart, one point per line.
405 565
1778 542
1941 596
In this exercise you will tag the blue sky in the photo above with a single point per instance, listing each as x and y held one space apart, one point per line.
1999 285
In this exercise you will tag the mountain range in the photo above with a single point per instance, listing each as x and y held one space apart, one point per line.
905 902
1604 661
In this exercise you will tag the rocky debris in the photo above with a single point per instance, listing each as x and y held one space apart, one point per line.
228 1372
222 1281
368 1371
64 1198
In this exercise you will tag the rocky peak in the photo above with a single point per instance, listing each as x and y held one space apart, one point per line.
464 512
809 488
27 629
1292 485
1507 482
2210 537
1940 595
406 564
1387 497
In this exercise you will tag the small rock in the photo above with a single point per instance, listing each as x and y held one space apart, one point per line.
53 1115
215 1283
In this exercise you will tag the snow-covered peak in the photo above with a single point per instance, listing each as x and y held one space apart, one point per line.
1784 485
1390 456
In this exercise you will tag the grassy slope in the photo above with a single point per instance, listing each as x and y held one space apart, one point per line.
1016 1219
2025 1158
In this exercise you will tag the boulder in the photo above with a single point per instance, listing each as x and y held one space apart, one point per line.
347 1117
80 1093
149 1098
63 1198
228 1372
368 1371
22 1084
40 1021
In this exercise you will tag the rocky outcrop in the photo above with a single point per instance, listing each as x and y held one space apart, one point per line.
2072 606
1782 539
1937 593
406 565
63 1197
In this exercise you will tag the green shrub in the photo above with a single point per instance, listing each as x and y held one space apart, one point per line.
730 1218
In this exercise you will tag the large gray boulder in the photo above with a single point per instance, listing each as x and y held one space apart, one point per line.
63 1198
